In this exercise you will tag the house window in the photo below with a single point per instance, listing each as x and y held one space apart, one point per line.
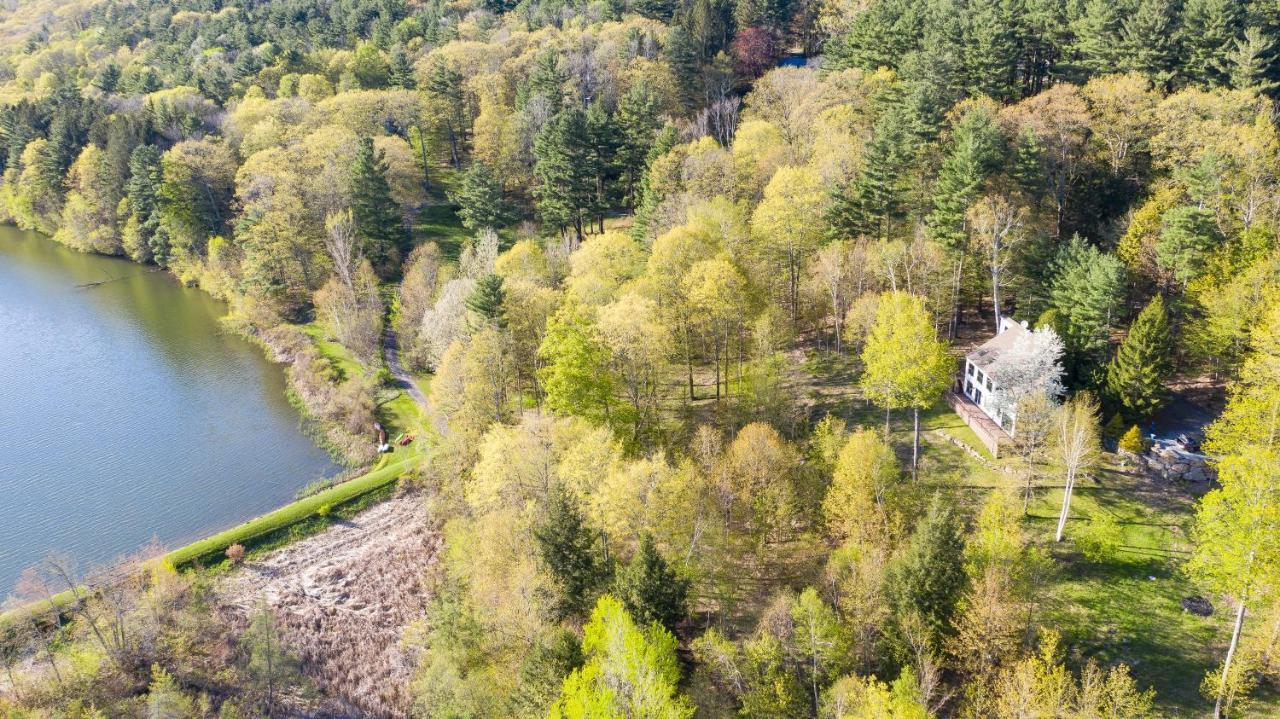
977 397
989 384
968 368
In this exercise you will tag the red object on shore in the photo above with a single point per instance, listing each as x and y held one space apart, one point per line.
407 439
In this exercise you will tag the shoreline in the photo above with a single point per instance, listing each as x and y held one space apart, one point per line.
379 475
319 505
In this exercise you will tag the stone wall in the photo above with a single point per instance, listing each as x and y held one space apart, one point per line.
1171 463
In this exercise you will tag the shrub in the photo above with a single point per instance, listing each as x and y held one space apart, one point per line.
1133 441
325 510
1100 539
235 553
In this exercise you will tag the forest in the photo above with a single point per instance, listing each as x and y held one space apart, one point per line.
688 284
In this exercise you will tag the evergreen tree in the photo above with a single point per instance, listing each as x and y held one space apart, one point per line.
1209 28
637 120
991 49
873 200
1250 63
682 58
1097 35
547 80
479 197
447 105
880 36
1086 288
401 68
1149 41
602 147
973 154
1187 234
565 171
377 216
1136 375
1028 167
927 578
486 300
142 191
107 78
571 552
650 589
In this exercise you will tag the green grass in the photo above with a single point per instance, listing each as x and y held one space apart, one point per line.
1127 608
208 550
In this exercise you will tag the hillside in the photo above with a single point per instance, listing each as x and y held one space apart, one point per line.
786 358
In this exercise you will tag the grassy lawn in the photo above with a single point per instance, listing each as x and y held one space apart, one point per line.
1124 609
396 410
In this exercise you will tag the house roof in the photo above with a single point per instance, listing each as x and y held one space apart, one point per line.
984 355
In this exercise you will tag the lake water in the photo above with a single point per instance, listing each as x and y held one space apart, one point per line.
127 412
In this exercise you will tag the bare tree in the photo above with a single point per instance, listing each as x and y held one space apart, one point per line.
36 600
997 226
1035 422
1077 447
342 244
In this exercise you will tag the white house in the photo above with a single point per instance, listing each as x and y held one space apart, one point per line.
979 385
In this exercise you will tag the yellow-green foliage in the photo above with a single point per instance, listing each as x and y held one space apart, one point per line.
1133 441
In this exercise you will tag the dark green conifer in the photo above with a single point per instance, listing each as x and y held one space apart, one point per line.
1149 41
143 190
377 216
479 197
571 553
565 170
928 578
486 300
1209 30
1136 375
650 589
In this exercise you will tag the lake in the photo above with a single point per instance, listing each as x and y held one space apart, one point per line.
127 412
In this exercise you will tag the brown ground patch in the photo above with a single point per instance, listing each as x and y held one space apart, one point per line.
344 598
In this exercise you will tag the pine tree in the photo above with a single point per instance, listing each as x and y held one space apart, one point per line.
571 552
1187 234
682 56
1136 375
479 197
1249 64
975 150
1097 35
637 120
927 578
486 300
873 200
402 68
1149 41
565 171
1086 288
1209 27
650 589
378 221
142 190
991 49
107 78
602 148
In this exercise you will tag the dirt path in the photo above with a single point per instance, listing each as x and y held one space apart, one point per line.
405 380
344 598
